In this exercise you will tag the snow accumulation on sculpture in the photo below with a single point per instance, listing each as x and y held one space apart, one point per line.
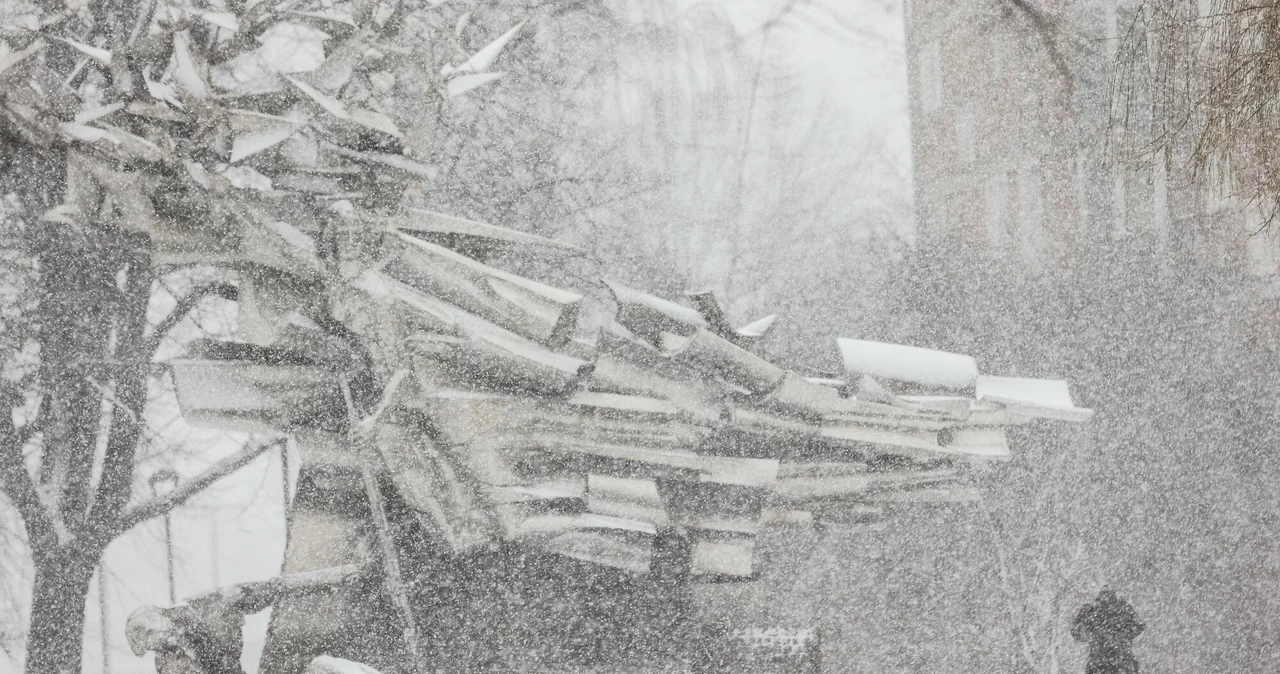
661 446
444 408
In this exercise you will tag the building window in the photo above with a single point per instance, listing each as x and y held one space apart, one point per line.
996 195
1262 249
1136 200
1031 210
966 140
934 226
929 68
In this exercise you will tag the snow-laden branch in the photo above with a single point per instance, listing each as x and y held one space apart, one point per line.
162 504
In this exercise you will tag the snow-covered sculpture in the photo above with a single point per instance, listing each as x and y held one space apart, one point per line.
660 446
508 428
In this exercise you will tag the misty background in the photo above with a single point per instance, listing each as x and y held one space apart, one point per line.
763 149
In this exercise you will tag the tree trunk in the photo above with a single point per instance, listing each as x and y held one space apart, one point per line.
57 613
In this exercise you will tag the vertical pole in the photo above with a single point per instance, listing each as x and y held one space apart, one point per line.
213 545
168 555
102 618
284 483
168 478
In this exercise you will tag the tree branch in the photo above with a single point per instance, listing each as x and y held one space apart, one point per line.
16 484
204 633
115 482
160 505
28 430
185 306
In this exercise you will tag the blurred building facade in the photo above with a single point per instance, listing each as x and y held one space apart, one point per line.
1016 130
1156 295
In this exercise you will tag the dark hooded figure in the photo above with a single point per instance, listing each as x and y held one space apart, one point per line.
1109 625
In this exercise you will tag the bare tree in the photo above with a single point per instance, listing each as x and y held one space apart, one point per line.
76 387
111 133
1194 85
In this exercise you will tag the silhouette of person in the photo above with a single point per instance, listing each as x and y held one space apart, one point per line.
1109 625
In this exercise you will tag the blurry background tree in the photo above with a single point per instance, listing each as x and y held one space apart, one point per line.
1161 323
705 146
1194 86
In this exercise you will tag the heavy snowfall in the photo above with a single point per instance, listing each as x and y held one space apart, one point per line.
415 336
